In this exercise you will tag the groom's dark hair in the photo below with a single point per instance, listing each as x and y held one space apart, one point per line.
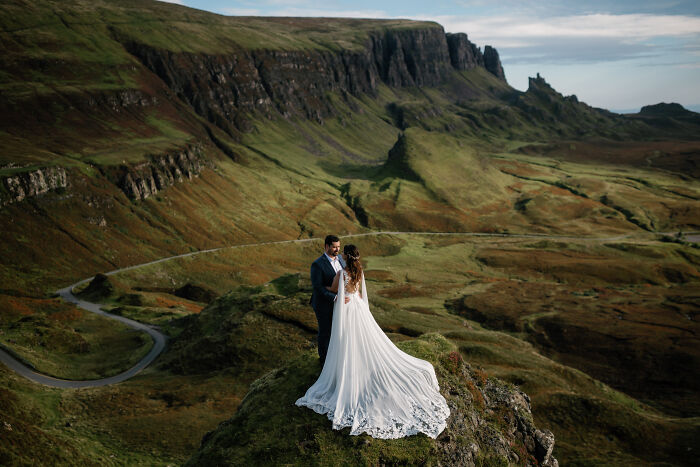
331 239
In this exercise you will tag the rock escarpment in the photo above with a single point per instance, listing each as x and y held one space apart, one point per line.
148 178
227 88
32 183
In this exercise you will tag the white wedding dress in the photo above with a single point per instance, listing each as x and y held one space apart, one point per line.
369 384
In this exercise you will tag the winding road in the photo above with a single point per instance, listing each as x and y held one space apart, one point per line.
160 339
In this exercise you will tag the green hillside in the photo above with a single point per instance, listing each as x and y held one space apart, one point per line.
138 130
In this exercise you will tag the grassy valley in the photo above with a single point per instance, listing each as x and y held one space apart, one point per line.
539 240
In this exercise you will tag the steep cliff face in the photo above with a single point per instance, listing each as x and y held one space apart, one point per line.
160 172
492 62
32 183
225 89
411 57
464 55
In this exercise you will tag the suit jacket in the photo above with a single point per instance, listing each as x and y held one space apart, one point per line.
322 275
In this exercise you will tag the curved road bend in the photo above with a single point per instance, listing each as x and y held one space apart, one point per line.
159 339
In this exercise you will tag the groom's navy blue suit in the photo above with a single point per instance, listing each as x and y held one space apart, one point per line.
322 300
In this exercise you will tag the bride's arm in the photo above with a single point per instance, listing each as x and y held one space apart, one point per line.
334 286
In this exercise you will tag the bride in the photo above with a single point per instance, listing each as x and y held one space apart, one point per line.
367 383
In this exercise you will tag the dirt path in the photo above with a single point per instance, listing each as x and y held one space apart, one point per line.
160 339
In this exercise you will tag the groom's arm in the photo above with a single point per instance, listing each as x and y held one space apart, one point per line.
317 282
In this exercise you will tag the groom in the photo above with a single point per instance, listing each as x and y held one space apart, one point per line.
323 272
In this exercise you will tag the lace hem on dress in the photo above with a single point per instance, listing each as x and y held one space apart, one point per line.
421 421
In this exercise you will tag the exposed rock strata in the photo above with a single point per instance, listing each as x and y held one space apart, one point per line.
32 183
120 100
148 178
225 89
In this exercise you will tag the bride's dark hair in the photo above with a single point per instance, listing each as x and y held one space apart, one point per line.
352 264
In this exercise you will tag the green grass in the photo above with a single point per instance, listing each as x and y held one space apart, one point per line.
269 429
481 163
153 420
408 300
62 341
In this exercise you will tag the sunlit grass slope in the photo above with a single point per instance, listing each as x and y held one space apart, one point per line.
417 285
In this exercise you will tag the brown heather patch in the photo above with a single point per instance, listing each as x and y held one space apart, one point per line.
520 168
378 275
402 291
383 205
481 376
633 154
70 314
476 394
576 266
422 310
490 209
639 339
170 303
13 307
410 290
517 186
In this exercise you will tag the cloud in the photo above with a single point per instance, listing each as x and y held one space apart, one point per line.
288 2
575 50
629 27
324 13
178 2
240 11
578 38
576 7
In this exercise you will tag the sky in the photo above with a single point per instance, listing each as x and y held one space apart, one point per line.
617 55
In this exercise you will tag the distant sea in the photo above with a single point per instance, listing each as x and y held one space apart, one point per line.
694 108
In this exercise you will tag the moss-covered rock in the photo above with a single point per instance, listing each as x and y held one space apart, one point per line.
490 422
100 287
196 293
247 331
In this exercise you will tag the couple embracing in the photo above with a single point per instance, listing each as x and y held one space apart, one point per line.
367 383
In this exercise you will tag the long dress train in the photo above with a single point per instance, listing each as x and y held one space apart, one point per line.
369 384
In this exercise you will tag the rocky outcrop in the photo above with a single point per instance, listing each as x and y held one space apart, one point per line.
490 422
148 178
464 55
492 62
121 100
226 89
32 183
397 163
546 107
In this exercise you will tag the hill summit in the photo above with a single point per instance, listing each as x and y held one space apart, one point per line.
664 109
